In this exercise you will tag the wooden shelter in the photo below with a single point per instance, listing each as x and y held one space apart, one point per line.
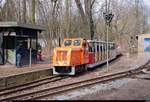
11 35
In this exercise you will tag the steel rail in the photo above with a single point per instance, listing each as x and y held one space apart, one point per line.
146 71
81 84
58 89
89 82
31 85
49 77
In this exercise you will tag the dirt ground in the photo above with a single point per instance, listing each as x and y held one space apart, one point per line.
134 89
125 89
115 90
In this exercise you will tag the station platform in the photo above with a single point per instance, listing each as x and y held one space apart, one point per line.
11 76
9 70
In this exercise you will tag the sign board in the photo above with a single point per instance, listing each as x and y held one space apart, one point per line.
146 44
12 56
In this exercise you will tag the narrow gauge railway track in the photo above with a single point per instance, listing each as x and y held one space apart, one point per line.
36 83
31 85
40 94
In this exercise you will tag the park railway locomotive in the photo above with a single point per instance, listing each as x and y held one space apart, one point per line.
78 54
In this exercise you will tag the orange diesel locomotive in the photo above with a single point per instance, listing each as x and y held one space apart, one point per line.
78 54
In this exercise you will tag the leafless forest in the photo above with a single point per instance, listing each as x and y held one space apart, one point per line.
80 18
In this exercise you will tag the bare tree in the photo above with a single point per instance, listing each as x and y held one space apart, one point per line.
63 19
87 15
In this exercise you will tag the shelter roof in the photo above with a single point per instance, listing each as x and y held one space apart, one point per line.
17 24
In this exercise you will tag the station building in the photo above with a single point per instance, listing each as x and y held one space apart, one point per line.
144 43
11 35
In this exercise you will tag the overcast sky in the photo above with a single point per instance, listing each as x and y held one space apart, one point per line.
147 2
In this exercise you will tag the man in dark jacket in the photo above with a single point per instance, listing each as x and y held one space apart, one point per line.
19 54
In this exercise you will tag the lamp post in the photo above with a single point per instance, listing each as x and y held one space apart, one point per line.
108 18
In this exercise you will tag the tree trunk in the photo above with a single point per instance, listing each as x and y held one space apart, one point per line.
24 12
82 13
91 25
33 11
87 15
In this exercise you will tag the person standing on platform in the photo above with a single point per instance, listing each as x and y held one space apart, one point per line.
19 55
39 53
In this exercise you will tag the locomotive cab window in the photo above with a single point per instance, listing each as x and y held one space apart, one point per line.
77 43
67 42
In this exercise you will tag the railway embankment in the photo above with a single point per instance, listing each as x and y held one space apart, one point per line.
11 76
123 63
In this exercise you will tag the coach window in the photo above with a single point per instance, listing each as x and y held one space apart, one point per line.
101 47
113 46
109 46
90 47
104 45
98 47
67 42
77 43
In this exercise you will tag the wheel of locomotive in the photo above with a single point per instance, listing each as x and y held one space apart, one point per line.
85 67
82 68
